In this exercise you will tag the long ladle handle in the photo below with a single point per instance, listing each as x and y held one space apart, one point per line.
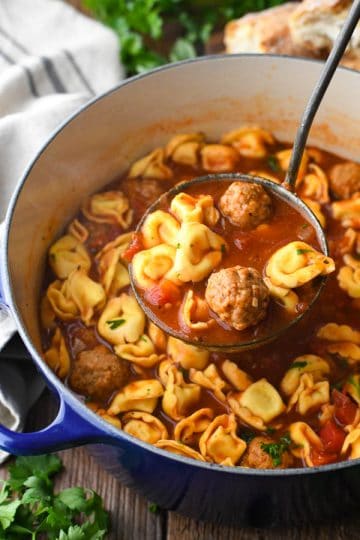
312 106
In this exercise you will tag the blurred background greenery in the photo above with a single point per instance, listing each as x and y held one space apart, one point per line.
154 32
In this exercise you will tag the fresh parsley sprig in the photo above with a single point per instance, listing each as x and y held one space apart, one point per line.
139 25
30 509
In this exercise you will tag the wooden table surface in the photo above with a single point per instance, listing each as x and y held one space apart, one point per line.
131 518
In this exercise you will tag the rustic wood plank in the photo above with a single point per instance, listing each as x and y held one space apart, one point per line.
181 528
130 515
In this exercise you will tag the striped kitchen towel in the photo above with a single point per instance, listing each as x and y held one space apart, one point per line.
52 60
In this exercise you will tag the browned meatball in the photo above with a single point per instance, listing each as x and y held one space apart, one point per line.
238 296
345 179
257 458
142 192
98 373
246 205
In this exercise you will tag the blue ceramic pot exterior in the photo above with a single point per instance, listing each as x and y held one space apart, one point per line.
213 95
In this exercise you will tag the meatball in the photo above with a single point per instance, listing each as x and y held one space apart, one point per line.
238 296
142 192
98 372
246 205
256 457
345 179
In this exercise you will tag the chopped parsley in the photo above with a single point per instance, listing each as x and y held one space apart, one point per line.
298 365
303 251
115 323
247 435
178 245
273 164
305 226
270 430
276 450
223 248
154 508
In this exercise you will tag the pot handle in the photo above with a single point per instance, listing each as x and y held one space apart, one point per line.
69 428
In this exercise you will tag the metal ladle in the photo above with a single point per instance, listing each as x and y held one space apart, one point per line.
284 191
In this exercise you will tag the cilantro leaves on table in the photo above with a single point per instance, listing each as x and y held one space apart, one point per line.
141 24
30 508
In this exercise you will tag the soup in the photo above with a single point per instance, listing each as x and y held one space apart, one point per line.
292 403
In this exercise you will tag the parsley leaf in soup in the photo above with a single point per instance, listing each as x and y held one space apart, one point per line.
276 450
273 163
298 365
115 323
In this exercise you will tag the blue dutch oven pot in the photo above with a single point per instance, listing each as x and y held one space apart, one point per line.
95 145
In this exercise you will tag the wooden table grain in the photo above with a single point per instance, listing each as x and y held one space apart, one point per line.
131 518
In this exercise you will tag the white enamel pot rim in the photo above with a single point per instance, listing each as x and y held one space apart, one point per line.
67 399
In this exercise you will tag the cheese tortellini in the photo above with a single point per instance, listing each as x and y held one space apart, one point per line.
138 395
144 426
220 443
250 141
160 228
122 320
151 265
199 251
179 397
308 363
200 209
141 353
210 378
108 207
152 166
315 185
297 263
348 211
57 356
304 439
68 254
187 355
195 312
218 158
191 427
77 295
185 148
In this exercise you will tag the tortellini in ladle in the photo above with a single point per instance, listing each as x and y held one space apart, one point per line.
297 263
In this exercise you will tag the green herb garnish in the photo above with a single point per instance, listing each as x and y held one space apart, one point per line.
276 450
29 507
223 248
305 226
274 164
154 508
303 251
247 435
115 323
140 25
298 365
270 430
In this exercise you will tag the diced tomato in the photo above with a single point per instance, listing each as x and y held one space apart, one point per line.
163 293
319 457
134 247
345 408
332 437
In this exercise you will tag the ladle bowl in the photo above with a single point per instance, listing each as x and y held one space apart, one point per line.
279 190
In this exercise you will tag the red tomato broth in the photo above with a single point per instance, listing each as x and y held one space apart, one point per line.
269 361
251 248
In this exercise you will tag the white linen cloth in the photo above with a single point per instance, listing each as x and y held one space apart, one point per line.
52 60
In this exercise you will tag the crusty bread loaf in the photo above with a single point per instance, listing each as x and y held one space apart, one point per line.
263 32
306 28
316 23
